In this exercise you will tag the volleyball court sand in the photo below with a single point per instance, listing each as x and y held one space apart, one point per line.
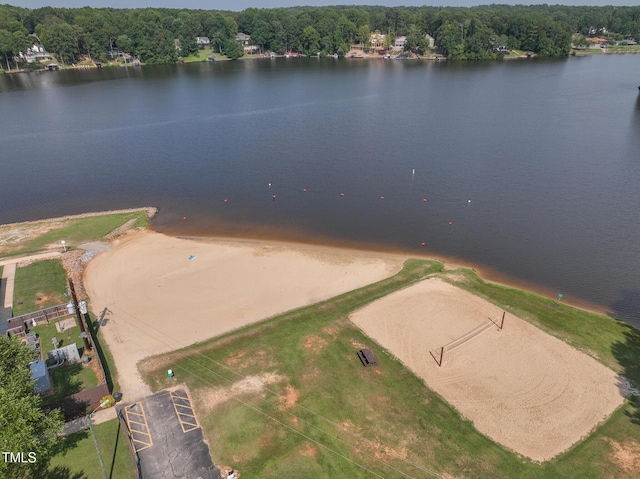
520 386
159 300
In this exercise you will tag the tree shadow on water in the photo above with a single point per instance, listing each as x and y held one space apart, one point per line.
627 352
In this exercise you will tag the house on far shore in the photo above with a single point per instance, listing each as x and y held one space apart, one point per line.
203 42
243 39
430 40
377 40
398 44
36 53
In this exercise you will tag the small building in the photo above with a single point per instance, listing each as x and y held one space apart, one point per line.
203 41
40 376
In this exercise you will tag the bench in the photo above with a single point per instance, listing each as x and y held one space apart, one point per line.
367 357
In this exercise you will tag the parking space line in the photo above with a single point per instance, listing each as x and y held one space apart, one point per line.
137 422
184 411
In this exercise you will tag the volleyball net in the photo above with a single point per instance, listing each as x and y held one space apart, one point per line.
438 354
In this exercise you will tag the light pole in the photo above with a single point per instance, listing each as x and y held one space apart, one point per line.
93 435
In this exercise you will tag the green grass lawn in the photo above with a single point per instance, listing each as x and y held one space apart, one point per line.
344 420
77 457
39 285
200 56
73 231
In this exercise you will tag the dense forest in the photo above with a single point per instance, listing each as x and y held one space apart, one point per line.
460 33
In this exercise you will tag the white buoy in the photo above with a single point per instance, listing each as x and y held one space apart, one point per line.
414 173
269 185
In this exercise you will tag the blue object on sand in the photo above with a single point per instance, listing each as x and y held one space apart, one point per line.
192 257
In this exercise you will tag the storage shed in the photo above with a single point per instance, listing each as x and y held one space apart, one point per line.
40 376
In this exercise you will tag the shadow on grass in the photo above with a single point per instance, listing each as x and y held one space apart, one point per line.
627 352
70 442
115 450
66 381
94 326
60 472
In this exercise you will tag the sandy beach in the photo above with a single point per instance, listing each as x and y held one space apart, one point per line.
520 386
158 293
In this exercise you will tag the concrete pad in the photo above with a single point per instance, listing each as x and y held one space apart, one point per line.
97 246
8 276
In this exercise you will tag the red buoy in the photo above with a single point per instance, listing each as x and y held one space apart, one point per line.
382 197
424 200
226 200
304 190
184 218
450 222
423 243
341 194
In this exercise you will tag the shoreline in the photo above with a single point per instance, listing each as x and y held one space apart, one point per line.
326 244
151 212
485 272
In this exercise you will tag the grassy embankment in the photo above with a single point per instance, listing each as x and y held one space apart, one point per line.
77 457
326 412
201 56
74 231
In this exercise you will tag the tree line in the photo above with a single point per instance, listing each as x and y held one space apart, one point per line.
460 33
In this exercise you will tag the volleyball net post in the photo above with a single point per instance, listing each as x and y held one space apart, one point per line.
438 354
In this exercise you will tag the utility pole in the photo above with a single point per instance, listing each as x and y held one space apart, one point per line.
83 334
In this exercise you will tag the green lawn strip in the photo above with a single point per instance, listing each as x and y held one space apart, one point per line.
77 457
39 285
72 231
201 56
102 349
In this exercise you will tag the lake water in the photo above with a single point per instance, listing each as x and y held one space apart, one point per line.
548 152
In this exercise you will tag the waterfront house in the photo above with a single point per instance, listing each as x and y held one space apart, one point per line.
377 40
243 39
36 53
203 41
398 44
